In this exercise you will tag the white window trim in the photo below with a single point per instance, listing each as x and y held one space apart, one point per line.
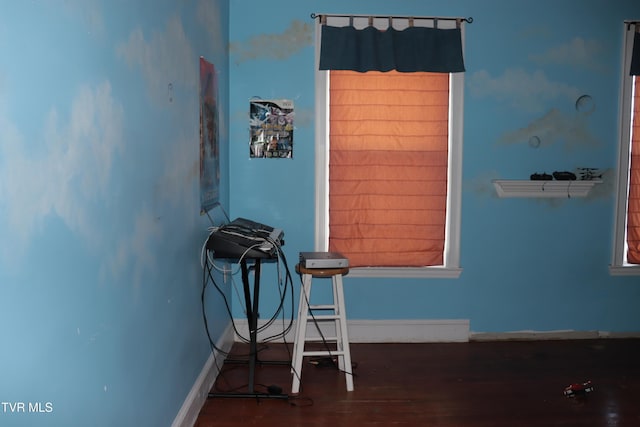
619 266
451 268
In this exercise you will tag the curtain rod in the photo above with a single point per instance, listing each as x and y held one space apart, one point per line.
468 20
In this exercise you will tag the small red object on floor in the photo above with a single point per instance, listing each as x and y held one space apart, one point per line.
578 389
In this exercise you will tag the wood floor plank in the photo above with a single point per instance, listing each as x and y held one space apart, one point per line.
476 384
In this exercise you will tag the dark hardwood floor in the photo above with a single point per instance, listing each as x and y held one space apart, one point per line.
492 384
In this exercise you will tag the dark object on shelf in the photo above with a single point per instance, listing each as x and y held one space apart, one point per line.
574 390
541 177
564 176
589 174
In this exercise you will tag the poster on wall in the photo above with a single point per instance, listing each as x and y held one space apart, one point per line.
209 138
271 128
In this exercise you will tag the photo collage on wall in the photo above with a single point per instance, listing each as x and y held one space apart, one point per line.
271 129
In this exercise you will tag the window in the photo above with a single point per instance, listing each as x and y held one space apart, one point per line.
626 241
439 163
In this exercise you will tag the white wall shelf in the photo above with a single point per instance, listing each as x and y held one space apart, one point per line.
543 189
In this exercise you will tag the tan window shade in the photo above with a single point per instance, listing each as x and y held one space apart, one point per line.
633 208
388 167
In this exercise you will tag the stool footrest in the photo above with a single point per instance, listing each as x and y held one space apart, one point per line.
331 340
322 307
323 353
325 317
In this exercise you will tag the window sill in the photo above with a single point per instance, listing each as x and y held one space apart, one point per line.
619 270
543 189
406 272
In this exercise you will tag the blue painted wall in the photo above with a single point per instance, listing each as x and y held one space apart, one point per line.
100 231
528 264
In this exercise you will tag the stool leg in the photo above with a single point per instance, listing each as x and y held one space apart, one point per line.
301 329
344 336
296 333
338 321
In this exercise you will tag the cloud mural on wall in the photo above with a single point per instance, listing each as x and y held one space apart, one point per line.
70 173
532 92
274 46
482 185
554 127
166 74
577 53
133 256
561 111
89 12
65 174
212 22
165 58
521 89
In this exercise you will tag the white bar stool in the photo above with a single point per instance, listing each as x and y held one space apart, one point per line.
305 313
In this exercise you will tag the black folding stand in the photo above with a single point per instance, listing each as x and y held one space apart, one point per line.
252 318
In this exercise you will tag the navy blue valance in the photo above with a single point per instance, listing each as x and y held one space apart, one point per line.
635 55
409 50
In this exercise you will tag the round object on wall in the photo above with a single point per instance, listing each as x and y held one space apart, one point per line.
585 104
534 142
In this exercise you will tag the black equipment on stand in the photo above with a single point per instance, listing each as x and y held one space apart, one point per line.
249 243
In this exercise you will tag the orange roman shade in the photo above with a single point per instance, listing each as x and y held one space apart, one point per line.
388 161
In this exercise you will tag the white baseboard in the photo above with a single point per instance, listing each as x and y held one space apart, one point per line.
549 335
188 414
427 330
380 331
